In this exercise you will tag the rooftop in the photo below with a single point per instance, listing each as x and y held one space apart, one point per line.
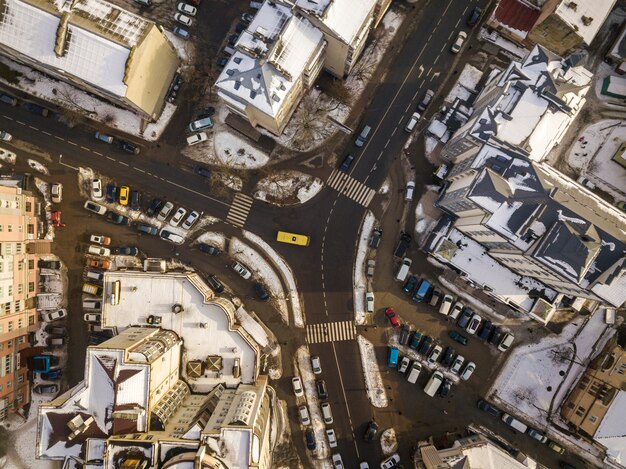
612 430
516 16
585 16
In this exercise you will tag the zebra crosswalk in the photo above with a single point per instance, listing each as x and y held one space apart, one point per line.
330 332
239 209
350 187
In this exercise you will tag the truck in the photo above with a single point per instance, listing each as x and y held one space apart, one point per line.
421 291
403 271
43 363
394 354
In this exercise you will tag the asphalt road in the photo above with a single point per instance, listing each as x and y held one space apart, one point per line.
324 270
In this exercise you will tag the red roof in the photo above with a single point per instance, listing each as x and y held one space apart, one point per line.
516 15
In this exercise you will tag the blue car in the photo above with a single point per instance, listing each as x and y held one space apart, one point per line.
180 32
410 284
51 375
347 162
111 193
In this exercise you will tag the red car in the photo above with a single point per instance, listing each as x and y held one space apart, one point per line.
393 318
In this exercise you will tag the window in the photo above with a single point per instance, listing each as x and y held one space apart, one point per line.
29 206
10 228
30 228
18 305
20 288
18 248
31 287
10 290
7 308
580 411
31 321
1 228
20 339
10 329
31 264
20 324
593 418
20 378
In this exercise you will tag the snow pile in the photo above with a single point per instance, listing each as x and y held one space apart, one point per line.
423 223
388 442
252 327
7 156
259 267
360 282
287 276
308 382
232 151
373 380
287 187
430 143
231 181
37 166
469 78
214 239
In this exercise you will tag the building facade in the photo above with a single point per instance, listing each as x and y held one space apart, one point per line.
19 285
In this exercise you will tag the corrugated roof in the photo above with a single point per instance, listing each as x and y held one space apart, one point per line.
516 15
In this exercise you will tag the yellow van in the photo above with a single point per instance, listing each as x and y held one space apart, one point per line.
292 238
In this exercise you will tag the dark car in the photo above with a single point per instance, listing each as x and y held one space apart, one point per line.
221 62
5 98
214 283
464 318
405 332
180 32
116 218
347 162
415 340
261 292
154 207
56 330
403 245
46 388
208 249
474 16
427 344
491 410
426 99
370 432
126 251
320 384
409 286
54 265
496 336
448 356
147 229
96 339
461 339
376 237
232 39
444 389
202 171
246 18
240 28
485 330
177 82
129 147
36 109
310 439
51 375
135 200
111 195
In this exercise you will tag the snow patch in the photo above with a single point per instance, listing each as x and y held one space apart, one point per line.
373 379
360 282
388 442
37 166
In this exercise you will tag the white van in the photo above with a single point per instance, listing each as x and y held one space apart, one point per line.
414 373
326 413
513 422
404 269
433 384
410 188
362 138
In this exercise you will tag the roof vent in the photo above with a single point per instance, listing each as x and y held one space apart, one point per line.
230 72
275 97
237 60
177 308
252 94
237 85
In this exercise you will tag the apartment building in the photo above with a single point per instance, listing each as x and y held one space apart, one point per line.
19 278
525 232
559 25
596 406
95 46
277 60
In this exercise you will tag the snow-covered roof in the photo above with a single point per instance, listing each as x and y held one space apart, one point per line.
612 430
585 16
345 18
489 456
145 294
271 57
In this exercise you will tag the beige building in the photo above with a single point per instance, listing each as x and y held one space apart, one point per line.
559 25
93 45
19 285
278 58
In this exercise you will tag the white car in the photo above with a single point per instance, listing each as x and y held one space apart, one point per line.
95 208
100 239
165 211
241 270
434 355
187 9
191 219
457 364
96 189
316 365
458 42
468 370
404 365
178 216
456 310
410 125
92 317
183 19
337 461
332 438
173 237
303 412
369 300
391 461
5 136
53 316
197 138
56 192
98 251
297 386
474 324
364 465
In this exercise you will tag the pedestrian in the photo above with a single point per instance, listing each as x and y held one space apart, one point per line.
585 154
445 412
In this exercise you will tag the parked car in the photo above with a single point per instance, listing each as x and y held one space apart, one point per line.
180 32
309 436
468 371
98 250
116 218
96 189
191 220
537 435
46 388
456 310
56 192
445 387
556 447
474 324
55 341
95 208
457 364
147 229
465 317
506 342
371 267
404 365
154 207
104 137
56 330
393 319
474 16
135 200
261 292
100 239
183 19
197 138
296 382
214 283
98 263
170 236
5 98
178 216
461 339
303 413
51 375
246 18
425 101
124 195
200 124
36 109
409 286
496 336
369 302
370 431
427 343
241 270
55 315
405 332
129 147
332 438
165 211
322 392
126 251
316 365
458 42
415 340
377 234
202 171
391 462
448 355
434 354
346 163
92 317
488 408
48 264
208 249
111 194
446 304
435 298
337 461
485 330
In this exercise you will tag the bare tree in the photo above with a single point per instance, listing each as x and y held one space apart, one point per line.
66 93
310 123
